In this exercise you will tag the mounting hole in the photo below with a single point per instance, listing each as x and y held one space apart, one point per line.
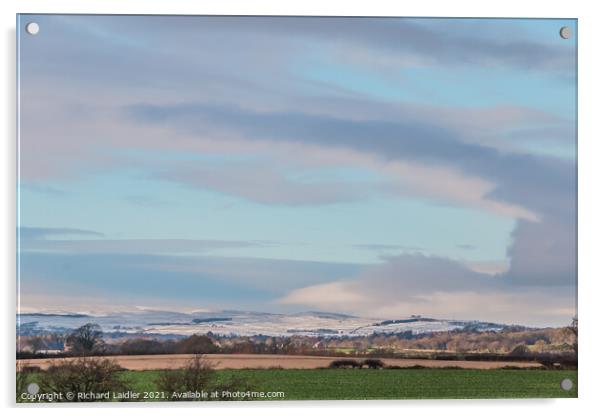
33 388
32 28
565 32
566 384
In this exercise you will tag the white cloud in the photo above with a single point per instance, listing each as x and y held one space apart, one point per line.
325 296
435 287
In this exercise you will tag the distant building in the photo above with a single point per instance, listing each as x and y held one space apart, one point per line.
50 352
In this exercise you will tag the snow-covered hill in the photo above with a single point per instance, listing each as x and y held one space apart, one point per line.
240 323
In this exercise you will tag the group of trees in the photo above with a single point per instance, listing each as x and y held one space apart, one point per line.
35 344
348 363
89 373
88 340
85 340
549 340
198 375
81 375
86 377
194 344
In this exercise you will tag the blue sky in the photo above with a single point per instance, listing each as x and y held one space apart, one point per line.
378 167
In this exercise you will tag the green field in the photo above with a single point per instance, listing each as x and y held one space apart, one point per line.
330 384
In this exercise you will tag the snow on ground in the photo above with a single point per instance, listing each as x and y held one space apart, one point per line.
236 323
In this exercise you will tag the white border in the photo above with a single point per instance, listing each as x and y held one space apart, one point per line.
590 206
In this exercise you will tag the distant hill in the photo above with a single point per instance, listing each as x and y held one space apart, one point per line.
62 315
245 323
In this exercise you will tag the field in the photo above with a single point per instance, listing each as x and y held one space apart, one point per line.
308 378
364 384
387 384
255 361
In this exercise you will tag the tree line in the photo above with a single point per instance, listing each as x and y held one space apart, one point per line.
89 340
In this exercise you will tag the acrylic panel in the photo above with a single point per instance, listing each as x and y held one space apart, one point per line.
295 208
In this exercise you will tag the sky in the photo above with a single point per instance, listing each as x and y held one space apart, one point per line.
379 167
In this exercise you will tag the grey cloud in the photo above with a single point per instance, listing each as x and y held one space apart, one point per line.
128 278
201 281
136 246
516 175
543 253
146 201
432 41
431 286
413 274
264 184
131 46
380 247
41 233
43 189
428 38
138 52
543 184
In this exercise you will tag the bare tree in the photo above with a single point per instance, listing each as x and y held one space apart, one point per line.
21 381
195 377
196 344
82 375
85 339
573 329
198 376
37 344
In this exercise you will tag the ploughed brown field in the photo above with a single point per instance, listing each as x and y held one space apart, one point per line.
241 361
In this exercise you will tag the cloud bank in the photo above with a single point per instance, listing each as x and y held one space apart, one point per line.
145 122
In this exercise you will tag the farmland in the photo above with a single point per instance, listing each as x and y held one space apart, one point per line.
206 367
420 383
258 361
